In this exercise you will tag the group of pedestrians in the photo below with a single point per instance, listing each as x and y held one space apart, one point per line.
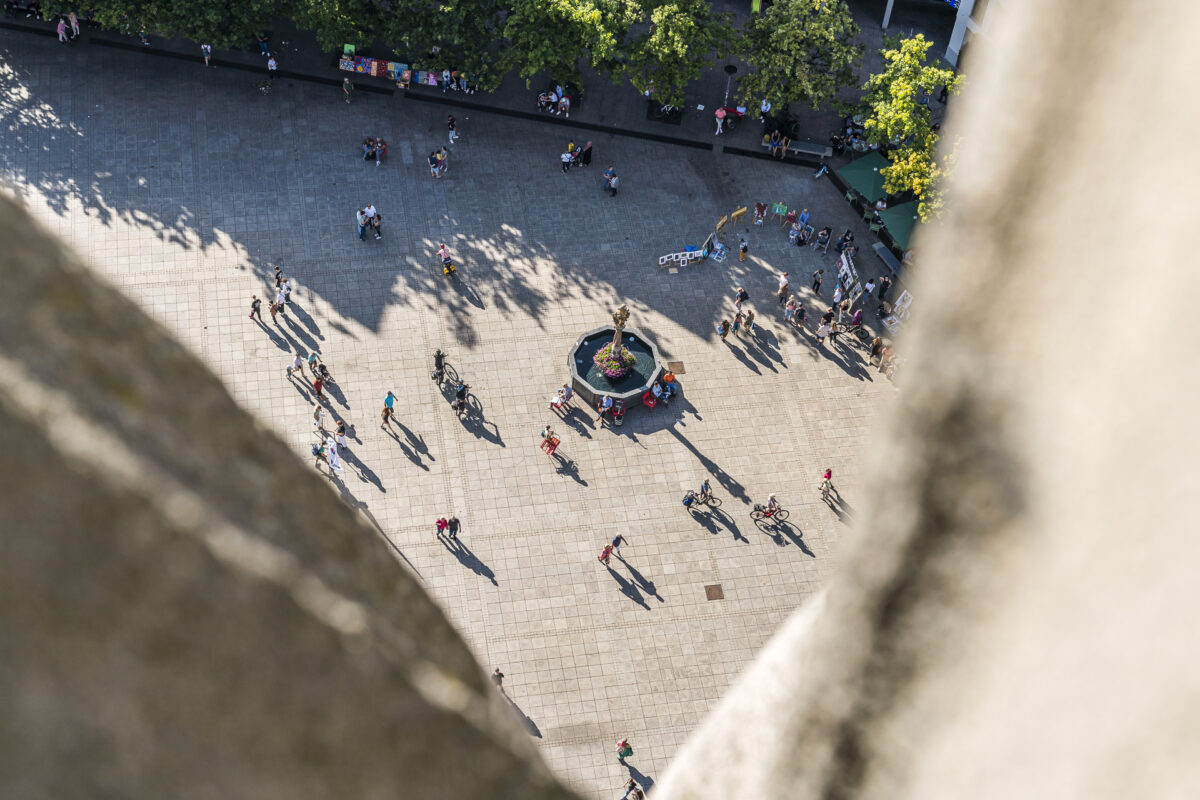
576 156
613 548
68 23
369 219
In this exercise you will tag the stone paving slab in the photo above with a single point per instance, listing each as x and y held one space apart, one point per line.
185 188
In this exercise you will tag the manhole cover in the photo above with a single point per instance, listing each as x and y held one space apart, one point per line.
677 368
714 592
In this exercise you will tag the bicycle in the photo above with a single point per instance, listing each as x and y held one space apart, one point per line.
666 110
761 512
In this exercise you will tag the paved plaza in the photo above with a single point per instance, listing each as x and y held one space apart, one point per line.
185 188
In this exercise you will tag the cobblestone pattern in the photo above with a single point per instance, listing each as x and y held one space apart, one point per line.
185 188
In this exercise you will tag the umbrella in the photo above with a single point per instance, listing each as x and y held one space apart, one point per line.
864 176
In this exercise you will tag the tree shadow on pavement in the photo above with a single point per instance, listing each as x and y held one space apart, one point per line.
467 558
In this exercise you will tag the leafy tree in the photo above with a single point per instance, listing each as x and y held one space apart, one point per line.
681 41
898 118
552 35
455 34
800 51
222 23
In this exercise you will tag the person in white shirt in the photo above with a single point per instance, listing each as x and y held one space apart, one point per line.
566 162
369 211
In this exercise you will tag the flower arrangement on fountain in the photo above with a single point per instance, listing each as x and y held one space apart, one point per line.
614 360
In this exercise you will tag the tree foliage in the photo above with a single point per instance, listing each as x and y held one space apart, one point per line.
800 51
682 39
663 44
898 118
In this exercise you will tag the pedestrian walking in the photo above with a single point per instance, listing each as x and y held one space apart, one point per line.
387 418
297 365
789 310
720 115
255 307
868 289
743 248
740 296
452 527
834 329
317 384
389 402
62 30
451 125
585 156
206 51
369 210
723 329
341 434
816 286
624 750
633 791
837 294
280 299
319 419
737 322
566 162
749 322
376 225
783 288
822 332
443 160
286 288
498 679
604 554
433 165
617 541
73 19
362 219
798 317
272 67
274 309
319 454
278 276
263 47
876 349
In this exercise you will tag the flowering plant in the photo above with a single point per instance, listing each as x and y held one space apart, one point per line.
614 364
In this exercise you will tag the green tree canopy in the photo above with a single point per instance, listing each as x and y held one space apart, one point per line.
682 39
898 119
800 51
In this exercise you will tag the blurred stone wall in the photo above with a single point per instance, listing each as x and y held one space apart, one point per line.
1017 612
186 609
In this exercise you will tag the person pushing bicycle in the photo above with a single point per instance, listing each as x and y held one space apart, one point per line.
705 492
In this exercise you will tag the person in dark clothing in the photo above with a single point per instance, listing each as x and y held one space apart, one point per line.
585 156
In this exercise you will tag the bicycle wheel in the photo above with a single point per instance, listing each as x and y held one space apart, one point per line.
757 515
451 375
781 515
713 502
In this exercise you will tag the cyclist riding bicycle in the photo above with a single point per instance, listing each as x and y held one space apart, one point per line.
772 505
460 396
689 499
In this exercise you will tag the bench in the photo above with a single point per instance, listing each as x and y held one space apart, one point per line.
887 257
806 148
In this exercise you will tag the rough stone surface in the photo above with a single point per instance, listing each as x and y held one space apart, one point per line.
187 611
1018 618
